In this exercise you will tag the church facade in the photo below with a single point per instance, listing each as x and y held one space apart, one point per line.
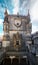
17 39
16 28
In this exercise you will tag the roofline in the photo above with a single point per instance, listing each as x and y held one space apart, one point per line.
13 15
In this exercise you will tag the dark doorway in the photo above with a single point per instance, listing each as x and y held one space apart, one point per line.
6 61
15 61
23 61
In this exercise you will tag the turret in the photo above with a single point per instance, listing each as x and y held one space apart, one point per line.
29 24
6 38
6 13
6 23
28 16
28 13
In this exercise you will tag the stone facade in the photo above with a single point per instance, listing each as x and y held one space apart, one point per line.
16 27
18 42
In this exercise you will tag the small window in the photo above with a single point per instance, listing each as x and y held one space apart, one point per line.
17 42
17 23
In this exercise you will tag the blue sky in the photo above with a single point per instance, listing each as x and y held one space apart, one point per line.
21 6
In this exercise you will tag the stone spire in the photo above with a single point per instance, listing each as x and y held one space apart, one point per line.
6 13
28 13
18 14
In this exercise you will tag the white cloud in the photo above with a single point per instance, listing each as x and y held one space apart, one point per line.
32 2
16 6
1 21
34 29
34 15
1 24
24 7
1 36
34 11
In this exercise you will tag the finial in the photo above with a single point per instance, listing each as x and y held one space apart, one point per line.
18 14
6 13
28 15
28 12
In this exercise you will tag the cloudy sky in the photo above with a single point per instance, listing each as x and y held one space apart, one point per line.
21 6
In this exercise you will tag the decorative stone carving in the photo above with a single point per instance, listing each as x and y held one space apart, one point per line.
16 40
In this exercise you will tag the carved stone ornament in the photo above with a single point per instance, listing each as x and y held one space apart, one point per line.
17 23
